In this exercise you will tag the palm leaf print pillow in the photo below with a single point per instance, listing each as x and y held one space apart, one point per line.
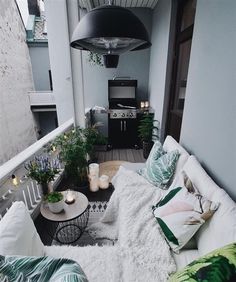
181 213
217 266
160 166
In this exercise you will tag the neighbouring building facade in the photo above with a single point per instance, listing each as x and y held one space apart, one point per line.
16 119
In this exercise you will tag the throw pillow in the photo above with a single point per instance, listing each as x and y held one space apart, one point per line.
217 266
160 166
18 235
181 213
40 269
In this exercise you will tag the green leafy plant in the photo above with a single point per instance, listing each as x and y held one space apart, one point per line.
54 197
148 128
74 149
95 59
42 169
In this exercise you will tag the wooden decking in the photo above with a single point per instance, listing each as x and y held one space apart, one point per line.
129 155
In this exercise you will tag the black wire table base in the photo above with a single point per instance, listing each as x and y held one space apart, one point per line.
68 232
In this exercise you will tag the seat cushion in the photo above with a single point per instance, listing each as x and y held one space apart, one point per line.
18 235
220 230
185 257
171 144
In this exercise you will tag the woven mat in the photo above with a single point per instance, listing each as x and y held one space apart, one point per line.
110 168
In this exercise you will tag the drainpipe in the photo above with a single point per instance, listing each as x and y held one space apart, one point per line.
76 65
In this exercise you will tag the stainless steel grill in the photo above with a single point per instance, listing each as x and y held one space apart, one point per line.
123 113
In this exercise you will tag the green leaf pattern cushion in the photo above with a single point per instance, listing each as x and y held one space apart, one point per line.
181 213
40 269
217 266
160 166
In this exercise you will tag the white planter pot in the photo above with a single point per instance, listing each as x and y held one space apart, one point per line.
56 207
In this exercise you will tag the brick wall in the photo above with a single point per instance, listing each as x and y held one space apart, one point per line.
16 120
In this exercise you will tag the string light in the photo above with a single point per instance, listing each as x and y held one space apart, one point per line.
14 180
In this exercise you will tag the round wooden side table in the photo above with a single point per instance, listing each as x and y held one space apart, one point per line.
67 226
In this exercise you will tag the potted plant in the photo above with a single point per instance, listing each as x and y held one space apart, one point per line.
42 170
147 132
74 149
95 59
55 202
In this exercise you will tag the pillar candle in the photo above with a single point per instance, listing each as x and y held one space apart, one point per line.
104 181
93 185
94 169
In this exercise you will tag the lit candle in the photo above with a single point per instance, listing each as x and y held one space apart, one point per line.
146 104
93 185
14 180
70 197
94 169
142 105
104 181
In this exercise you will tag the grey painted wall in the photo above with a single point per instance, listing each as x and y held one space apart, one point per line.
16 120
132 64
209 121
40 66
159 56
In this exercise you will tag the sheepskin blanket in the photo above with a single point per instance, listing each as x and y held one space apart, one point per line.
140 252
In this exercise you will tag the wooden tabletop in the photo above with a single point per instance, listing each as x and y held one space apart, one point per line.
70 211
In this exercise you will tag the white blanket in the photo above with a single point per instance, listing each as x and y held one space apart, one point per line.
141 253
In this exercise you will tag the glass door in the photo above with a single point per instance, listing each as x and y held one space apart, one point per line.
184 31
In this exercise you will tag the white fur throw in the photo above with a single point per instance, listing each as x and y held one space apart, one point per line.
141 253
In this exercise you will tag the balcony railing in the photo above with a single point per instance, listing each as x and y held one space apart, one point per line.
27 190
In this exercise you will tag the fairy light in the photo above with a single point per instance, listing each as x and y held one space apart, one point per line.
14 180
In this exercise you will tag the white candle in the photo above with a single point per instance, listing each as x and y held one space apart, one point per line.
70 198
146 104
142 104
94 169
104 181
93 185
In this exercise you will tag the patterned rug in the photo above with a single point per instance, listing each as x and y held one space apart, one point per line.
96 210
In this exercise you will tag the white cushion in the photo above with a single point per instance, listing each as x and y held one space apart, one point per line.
220 230
185 257
171 144
18 235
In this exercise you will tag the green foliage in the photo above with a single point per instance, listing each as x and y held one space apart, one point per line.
148 128
217 266
54 197
42 169
95 59
74 149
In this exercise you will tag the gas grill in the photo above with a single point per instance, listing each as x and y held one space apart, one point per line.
122 122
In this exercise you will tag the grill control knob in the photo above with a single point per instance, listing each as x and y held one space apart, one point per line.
115 115
131 114
123 115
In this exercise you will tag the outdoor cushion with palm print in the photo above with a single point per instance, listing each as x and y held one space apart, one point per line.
160 166
217 266
182 212
40 269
